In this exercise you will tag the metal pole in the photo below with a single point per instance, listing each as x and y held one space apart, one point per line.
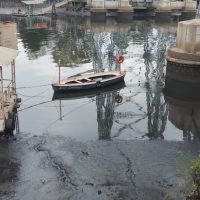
13 77
2 115
59 71
60 110
17 123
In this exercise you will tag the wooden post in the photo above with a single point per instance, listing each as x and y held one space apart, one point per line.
2 114
13 77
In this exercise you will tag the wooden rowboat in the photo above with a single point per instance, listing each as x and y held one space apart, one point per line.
89 81
26 15
78 94
19 15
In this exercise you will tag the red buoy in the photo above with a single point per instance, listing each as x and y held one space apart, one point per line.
120 58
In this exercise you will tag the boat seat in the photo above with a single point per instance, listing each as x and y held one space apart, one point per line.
87 79
78 81
98 79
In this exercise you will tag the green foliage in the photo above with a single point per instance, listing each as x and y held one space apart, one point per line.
182 165
195 169
73 47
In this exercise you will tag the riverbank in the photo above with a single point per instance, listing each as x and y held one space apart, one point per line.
62 168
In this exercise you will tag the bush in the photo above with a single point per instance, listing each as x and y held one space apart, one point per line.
195 172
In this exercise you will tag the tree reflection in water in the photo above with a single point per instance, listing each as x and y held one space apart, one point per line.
155 44
73 45
105 47
105 103
157 109
76 45
37 35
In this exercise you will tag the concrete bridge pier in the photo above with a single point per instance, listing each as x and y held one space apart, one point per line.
162 15
188 15
120 9
98 14
183 61
165 10
125 15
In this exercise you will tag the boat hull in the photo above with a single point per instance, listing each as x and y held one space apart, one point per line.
95 85
78 94
25 15
19 15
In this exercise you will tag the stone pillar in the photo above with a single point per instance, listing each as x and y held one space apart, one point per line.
183 60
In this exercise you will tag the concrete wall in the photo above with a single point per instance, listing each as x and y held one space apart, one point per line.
175 5
109 4
161 5
190 5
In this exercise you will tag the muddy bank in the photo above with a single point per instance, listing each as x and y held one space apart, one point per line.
57 168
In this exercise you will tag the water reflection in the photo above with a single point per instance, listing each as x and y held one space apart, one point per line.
73 41
154 59
81 46
184 107
106 100
81 41
8 37
37 35
105 45
156 108
105 111
72 45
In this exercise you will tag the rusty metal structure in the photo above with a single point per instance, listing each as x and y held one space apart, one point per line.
9 102
8 97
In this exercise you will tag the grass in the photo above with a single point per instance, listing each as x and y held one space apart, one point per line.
195 174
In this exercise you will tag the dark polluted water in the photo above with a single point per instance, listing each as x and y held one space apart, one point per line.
128 141
82 46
